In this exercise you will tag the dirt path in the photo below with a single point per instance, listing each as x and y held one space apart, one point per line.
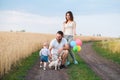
36 73
107 70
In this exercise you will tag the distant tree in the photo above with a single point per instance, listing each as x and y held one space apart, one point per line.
99 34
11 30
93 34
118 37
22 30
80 34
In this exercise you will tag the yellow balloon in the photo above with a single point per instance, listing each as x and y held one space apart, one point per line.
79 48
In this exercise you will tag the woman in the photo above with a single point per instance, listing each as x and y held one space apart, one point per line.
69 29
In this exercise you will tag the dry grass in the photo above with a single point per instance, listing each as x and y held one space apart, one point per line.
111 45
15 46
92 38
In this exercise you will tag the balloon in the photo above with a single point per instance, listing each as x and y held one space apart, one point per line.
72 43
75 48
78 42
79 48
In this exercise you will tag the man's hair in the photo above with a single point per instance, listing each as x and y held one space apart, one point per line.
61 33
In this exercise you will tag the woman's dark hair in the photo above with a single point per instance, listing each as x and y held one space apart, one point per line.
71 16
61 33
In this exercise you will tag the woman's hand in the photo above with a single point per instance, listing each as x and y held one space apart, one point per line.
74 37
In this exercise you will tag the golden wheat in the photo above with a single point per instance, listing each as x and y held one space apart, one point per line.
112 45
92 38
16 45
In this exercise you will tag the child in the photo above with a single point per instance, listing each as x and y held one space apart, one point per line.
44 54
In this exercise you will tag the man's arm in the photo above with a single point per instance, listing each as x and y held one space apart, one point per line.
50 48
49 54
66 47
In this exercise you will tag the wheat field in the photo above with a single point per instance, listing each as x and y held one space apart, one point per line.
111 45
15 46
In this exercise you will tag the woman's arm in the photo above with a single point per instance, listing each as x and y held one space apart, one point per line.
74 28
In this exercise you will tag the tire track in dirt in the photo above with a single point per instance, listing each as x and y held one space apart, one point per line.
106 69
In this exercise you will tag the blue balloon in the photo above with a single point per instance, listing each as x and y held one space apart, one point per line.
72 43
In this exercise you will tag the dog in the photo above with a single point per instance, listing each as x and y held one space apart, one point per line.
56 63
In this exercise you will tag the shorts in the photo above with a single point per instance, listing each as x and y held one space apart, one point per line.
44 58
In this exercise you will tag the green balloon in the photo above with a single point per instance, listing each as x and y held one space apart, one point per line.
75 48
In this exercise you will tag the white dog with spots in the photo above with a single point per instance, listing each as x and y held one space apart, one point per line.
56 63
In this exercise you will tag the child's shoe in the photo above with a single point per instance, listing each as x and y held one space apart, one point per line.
44 68
40 66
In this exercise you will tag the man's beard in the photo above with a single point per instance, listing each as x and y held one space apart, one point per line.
59 40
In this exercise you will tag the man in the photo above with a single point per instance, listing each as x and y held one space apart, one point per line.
59 47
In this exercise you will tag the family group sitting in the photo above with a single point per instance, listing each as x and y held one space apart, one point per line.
56 53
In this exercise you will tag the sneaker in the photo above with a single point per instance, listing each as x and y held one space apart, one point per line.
40 66
75 62
48 61
62 66
67 63
44 68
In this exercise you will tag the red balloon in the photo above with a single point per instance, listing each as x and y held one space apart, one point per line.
78 42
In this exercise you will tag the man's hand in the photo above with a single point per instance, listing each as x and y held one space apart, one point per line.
60 50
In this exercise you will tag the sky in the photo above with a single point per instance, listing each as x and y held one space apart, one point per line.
92 17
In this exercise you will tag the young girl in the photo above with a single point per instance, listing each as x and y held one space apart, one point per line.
69 29
44 55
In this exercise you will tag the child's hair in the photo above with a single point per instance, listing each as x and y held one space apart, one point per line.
45 44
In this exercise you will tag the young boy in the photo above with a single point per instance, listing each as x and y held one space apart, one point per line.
44 55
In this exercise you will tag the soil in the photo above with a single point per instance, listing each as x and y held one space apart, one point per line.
106 69
37 73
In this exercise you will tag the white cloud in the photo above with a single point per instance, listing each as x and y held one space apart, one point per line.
105 24
35 23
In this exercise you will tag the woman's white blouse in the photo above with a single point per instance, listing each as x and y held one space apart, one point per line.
69 28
